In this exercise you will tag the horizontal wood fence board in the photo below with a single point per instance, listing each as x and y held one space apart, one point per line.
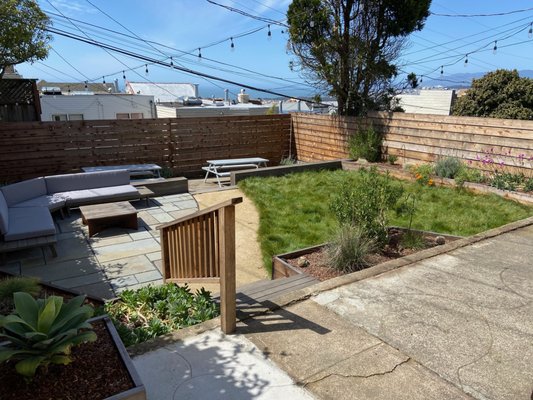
42 148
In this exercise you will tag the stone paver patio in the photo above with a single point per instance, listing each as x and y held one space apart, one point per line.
111 260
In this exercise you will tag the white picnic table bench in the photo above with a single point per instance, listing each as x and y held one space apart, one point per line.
219 168
134 169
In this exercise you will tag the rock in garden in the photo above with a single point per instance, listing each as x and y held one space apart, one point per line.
440 240
303 262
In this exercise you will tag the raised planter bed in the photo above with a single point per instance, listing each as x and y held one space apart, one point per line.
282 268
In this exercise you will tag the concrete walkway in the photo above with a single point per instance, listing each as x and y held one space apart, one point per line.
457 325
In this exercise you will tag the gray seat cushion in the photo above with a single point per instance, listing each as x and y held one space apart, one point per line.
29 222
87 180
4 214
100 195
51 201
23 191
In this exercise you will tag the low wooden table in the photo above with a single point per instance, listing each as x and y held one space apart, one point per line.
101 216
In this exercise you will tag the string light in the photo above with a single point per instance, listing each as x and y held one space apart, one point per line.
530 32
146 69
269 34
495 48
232 45
123 75
85 84
291 65
442 69
103 80
466 60
199 52
171 61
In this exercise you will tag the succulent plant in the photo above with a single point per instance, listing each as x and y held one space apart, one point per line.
42 332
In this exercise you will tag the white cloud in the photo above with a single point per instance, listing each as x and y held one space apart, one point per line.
72 7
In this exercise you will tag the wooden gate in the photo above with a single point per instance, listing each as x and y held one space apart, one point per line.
200 248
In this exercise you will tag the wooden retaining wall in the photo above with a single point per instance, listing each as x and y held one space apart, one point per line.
420 138
183 145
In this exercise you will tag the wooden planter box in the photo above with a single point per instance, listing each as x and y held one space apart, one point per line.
282 269
138 392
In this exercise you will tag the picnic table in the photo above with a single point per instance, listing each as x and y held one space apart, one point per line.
219 168
134 169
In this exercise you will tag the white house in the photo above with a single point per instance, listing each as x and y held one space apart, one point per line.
96 106
165 93
427 101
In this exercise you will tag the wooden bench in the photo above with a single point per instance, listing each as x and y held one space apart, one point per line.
219 168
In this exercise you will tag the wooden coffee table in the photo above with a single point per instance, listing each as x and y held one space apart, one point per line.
101 216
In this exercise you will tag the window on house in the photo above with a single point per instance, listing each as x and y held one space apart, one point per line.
137 116
75 117
123 116
59 117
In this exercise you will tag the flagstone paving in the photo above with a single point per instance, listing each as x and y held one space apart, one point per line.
111 260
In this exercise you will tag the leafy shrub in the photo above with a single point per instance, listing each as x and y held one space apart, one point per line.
466 174
528 185
9 286
366 143
448 167
366 202
392 159
506 180
43 331
347 251
422 173
287 161
152 311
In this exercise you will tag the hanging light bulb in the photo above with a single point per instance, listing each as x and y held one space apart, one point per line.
171 61
269 33
442 69
466 60
291 65
495 48
421 76
123 75
530 32
199 52
146 69
232 45
103 80
85 84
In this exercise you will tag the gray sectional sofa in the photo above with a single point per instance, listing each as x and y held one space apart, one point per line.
25 207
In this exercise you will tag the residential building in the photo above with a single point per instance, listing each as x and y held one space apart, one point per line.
427 101
168 94
77 87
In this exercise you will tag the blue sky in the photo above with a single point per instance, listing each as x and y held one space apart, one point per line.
186 25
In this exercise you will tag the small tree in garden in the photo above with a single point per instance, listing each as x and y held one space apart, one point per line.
366 203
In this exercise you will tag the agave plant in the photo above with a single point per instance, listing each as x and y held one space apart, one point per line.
43 331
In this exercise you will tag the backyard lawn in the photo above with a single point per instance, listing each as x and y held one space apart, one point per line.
295 209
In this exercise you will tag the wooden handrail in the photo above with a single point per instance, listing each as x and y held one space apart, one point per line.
200 247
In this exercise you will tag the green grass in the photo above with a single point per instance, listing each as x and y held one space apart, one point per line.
294 210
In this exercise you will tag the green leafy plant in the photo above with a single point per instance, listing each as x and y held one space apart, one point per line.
466 174
9 286
152 311
423 174
528 185
366 143
348 249
166 172
366 202
287 161
391 158
412 240
506 180
448 167
42 332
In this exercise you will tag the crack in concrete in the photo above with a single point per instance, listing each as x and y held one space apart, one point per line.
390 371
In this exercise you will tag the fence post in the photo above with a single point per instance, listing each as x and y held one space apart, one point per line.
226 235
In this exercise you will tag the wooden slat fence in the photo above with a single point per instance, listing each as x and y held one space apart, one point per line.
419 138
182 145
200 248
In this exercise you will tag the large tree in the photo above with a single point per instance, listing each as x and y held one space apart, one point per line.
498 94
22 33
349 47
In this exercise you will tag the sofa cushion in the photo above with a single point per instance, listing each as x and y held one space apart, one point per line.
86 180
100 195
51 201
4 214
29 222
22 191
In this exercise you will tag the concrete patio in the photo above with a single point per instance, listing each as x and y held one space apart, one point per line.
109 261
